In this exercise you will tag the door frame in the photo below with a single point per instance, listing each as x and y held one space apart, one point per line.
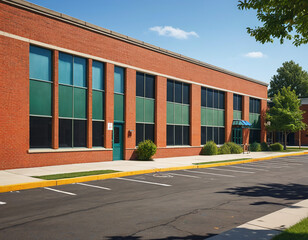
115 124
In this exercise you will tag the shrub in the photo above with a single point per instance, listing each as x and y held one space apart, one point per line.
209 148
255 147
276 147
224 149
146 150
264 146
235 148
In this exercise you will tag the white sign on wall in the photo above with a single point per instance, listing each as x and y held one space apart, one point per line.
110 127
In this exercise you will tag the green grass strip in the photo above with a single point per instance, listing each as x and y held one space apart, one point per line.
222 161
74 174
297 232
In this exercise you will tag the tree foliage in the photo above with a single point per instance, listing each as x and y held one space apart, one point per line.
282 19
285 115
290 74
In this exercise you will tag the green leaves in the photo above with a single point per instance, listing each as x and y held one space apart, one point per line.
280 18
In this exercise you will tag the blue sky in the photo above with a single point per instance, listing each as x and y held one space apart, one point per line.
213 31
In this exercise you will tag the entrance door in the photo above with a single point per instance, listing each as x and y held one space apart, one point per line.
237 136
117 141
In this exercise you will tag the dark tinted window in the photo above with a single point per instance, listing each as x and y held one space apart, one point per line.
215 99
65 133
240 102
97 134
235 102
186 93
40 132
221 100
209 98
221 135
178 135
149 86
186 135
170 91
139 132
209 134
170 135
116 135
203 97
216 140
178 92
80 133
149 132
203 135
140 84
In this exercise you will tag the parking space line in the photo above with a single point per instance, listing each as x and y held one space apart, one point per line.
55 190
216 174
2 203
230 170
93 186
264 166
153 183
183 175
252 168
287 163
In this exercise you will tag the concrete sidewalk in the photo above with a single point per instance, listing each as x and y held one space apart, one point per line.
24 175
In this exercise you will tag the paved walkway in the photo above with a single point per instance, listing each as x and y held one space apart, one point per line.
263 228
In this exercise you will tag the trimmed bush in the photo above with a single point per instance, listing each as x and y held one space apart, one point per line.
276 147
210 148
255 147
224 149
146 150
235 148
264 146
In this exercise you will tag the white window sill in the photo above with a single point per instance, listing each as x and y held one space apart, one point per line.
50 150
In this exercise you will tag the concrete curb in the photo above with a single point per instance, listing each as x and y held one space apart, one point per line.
50 183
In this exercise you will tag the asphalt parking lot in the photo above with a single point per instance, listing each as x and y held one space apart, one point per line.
186 204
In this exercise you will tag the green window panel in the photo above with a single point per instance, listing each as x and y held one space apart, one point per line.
98 105
209 116
237 115
65 68
203 116
254 119
221 118
139 109
149 109
118 107
97 75
170 112
80 103
65 101
40 98
215 117
80 66
40 63
177 113
185 114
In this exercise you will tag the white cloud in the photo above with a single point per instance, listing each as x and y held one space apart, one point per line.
255 55
173 32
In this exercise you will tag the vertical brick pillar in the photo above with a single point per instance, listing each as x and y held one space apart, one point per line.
262 116
195 115
228 116
89 104
55 99
245 116
130 112
160 111
109 103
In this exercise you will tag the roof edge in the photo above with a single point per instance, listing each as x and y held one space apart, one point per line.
74 21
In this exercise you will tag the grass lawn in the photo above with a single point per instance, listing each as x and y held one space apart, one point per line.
74 174
222 161
297 232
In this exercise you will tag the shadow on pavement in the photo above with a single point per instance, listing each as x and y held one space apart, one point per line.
290 191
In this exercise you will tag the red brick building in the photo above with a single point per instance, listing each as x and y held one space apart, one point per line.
72 92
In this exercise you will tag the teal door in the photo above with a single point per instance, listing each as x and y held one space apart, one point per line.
117 141
237 136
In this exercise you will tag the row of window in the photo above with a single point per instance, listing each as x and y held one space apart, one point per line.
212 98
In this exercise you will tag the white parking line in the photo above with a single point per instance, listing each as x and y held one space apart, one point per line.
264 166
55 190
229 170
183 175
153 183
2 203
93 186
252 168
222 175
287 163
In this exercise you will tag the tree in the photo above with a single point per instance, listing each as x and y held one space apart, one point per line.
282 19
290 74
285 115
